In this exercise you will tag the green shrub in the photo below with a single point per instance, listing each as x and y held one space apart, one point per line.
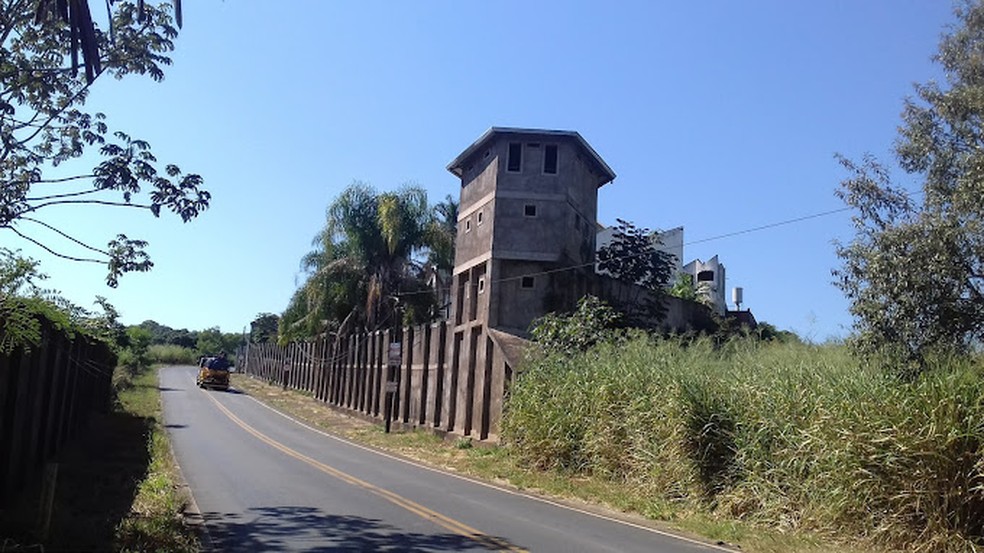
783 434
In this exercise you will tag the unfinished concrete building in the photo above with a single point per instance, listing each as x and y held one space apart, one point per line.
527 215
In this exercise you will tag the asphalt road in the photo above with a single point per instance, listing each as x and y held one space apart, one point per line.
264 482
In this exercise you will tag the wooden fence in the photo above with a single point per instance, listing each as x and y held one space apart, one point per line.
46 396
428 386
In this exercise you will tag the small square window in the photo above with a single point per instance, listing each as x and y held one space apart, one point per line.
550 159
529 210
481 285
526 282
515 160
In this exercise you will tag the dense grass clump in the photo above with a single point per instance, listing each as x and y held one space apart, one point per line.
170 354
786 435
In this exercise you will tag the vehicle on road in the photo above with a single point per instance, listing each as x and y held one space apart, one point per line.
213 372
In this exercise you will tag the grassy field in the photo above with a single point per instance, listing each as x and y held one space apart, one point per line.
789 437
116 484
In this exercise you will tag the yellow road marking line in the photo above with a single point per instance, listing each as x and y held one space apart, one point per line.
441 520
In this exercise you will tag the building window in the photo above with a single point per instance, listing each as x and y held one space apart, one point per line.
481 285
550 159
527 282
480 217
467 225
529 210
515 160
705 276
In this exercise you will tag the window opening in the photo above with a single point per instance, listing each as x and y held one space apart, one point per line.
529 210
527 282
481 285
550 159
515 163
480 217
468 225
705 276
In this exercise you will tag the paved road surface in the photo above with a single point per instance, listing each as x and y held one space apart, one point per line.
266 483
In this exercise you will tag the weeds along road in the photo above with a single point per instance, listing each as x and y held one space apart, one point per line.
266 483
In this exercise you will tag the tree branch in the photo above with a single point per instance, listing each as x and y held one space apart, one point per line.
90 202
64 235
71 102
63 179
68 195
53 252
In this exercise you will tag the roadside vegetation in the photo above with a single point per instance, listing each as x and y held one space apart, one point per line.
788 436
116 481
155 521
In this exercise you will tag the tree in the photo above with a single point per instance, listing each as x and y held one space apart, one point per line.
440 236
19 275
263 328
633 259
212 340
914 272
45 130
85 37
365 271
592 322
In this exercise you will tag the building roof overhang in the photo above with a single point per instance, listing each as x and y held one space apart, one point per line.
456 166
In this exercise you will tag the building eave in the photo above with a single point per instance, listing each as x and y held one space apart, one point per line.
456 166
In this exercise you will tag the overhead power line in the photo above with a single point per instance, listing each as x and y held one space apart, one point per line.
629 256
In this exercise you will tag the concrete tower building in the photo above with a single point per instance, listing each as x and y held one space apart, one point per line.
529 201
525 247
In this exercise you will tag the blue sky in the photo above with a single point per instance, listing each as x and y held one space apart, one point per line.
719 116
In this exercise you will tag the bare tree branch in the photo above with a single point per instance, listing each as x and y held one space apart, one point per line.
53 252
64 235
89 202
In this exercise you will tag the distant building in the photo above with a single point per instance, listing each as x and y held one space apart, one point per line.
709 279
670 241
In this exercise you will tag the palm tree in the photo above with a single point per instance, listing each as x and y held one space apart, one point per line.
441 233
364 271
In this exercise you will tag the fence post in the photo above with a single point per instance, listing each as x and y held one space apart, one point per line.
392 376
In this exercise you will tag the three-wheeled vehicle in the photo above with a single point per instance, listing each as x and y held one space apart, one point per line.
213 372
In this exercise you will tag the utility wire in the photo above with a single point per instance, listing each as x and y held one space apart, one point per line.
629 256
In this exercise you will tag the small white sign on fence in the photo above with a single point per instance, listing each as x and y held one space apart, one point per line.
392 386
395 354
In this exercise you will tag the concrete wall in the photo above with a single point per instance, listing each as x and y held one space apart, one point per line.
447 382
681 315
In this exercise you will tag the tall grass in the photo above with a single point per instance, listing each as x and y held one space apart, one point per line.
170 354
787 435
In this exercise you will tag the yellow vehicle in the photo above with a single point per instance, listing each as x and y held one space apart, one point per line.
213 372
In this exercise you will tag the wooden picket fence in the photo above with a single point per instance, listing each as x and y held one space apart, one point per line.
46 396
